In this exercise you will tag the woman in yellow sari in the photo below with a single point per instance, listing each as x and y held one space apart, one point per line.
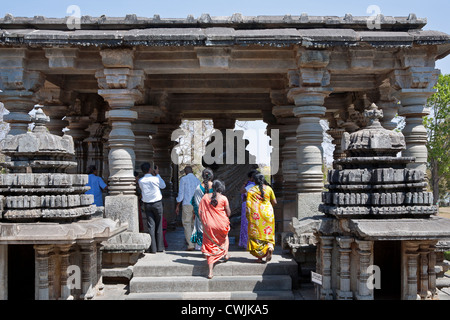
261 219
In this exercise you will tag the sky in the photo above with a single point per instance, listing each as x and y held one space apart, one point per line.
436 12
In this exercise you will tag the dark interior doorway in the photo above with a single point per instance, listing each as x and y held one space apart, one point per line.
21 272
387 256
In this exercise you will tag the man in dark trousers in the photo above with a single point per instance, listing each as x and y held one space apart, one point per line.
151 184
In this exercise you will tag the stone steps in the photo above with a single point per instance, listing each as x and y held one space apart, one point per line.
180 275
224 295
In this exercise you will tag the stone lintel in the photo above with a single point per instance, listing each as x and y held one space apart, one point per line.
401 229
97 229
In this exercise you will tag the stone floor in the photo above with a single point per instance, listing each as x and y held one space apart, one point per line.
177 243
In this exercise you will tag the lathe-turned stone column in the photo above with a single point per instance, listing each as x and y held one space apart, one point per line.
288 149
144 129
336 134
309 98
18 87
415 86
121 86
308 92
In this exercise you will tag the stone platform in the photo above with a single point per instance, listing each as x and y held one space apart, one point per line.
177 274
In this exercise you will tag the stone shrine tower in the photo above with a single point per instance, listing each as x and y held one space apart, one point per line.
378 218
49 229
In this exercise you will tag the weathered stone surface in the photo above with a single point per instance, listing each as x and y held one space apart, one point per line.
123 208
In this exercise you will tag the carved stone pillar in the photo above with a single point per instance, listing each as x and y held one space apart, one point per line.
424 292
388 104
64 253
432 270
326 246
410 285
77 130
415 85
3 272
18 87
88 270
344 292
94 145
309 97
100 285
288 149
144 130
121 87
365 250
42 291
336 134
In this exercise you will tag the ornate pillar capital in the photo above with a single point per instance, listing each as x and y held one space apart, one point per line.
18 85
414 86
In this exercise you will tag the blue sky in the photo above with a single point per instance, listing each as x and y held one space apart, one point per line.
436 11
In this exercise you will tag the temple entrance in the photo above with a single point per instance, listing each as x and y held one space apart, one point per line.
387 256
21 272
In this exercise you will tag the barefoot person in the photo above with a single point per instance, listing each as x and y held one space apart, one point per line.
261 220
204 187
214 212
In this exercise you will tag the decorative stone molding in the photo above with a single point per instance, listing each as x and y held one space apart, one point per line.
18 86
365 256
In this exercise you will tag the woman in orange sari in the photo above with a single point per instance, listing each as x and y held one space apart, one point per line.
214 211
261 219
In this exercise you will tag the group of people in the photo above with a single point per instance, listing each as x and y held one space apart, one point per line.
206 212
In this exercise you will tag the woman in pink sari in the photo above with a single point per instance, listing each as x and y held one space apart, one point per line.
214 211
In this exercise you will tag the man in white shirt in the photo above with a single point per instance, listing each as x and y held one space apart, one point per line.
151 184
188 184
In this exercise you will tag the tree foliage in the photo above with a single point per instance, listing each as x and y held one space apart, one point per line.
438 128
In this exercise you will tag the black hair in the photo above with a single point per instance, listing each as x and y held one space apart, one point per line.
91 169
207 175
145 167
218 187
260 181
252 173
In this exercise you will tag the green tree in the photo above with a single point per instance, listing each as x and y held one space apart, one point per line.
438 128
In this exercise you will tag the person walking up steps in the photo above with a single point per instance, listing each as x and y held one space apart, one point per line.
261 219
200 191
214 212
188 184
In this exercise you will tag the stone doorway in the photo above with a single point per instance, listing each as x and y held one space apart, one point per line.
21 272
387 256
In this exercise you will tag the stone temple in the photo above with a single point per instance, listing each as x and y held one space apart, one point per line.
123 85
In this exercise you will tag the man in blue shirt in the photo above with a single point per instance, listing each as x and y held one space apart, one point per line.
97 185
